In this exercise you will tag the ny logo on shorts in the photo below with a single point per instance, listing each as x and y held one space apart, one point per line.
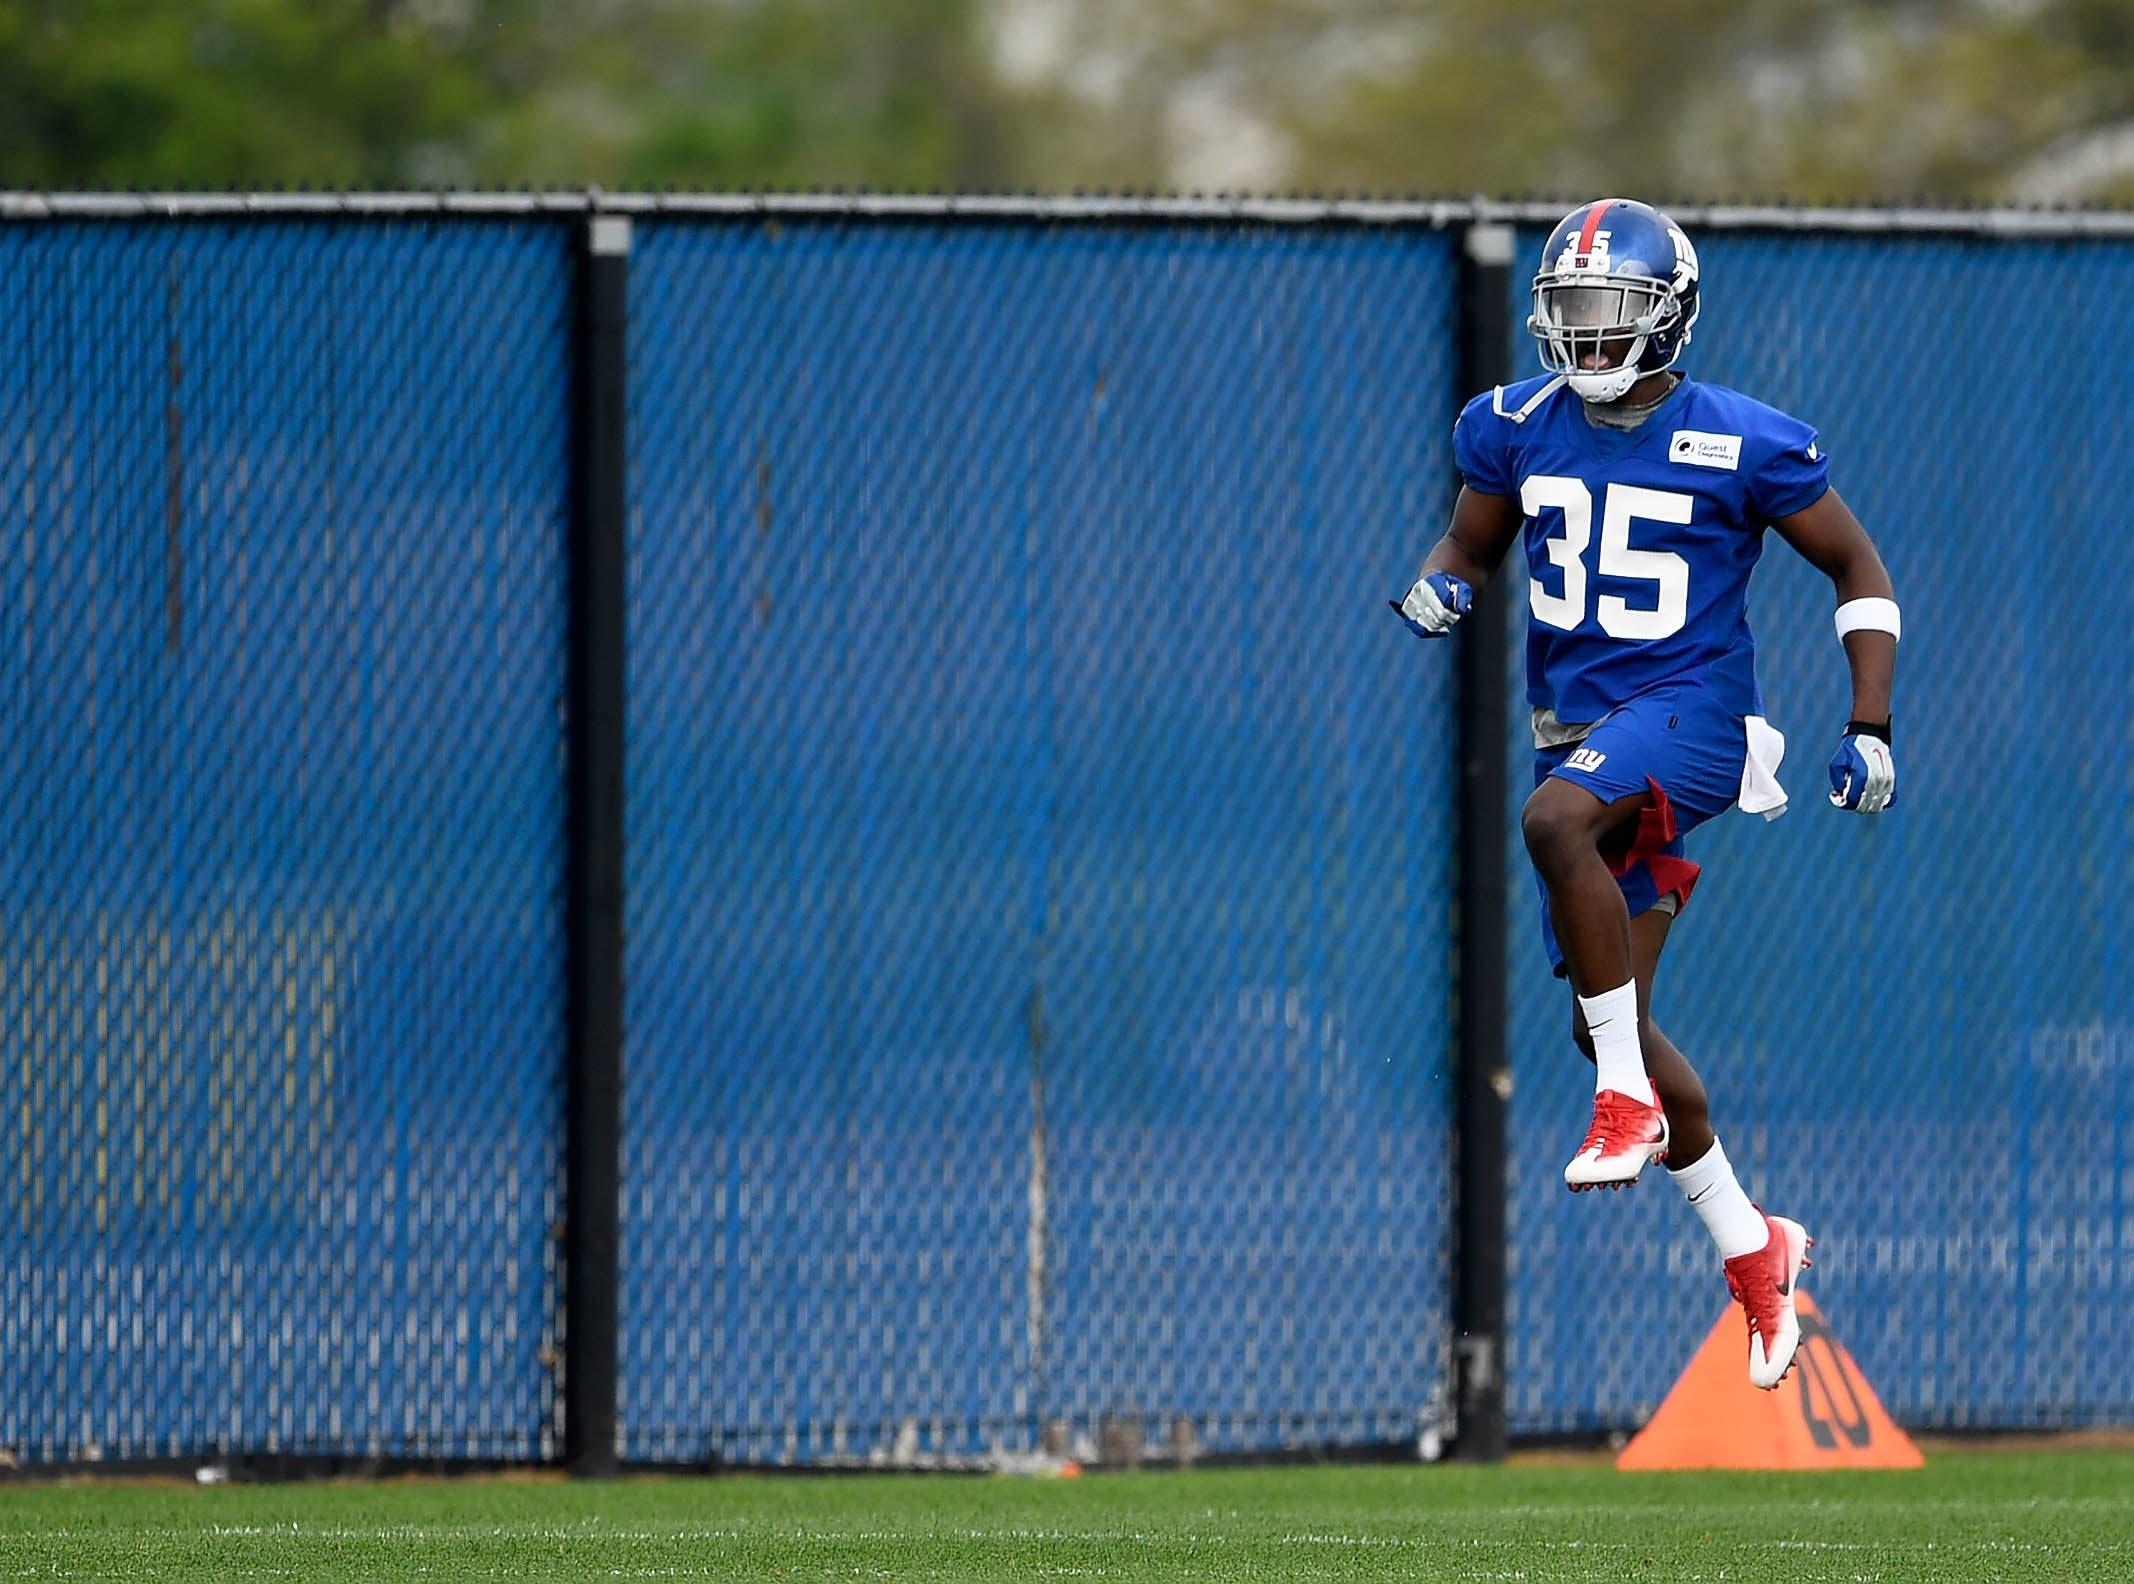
1585 759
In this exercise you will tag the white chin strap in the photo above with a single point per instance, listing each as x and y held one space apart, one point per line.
1605 385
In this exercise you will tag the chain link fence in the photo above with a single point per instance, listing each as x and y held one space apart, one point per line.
1033 889
281 618
1917 1031
1040 954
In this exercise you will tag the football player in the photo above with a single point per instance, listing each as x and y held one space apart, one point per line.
1642 496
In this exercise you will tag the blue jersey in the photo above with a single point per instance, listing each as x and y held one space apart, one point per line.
1639 543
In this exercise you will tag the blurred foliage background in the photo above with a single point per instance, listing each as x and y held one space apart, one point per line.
1996 100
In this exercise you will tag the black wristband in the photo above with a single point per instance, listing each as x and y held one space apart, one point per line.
1860 728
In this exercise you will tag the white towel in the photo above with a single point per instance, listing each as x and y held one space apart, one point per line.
1760 791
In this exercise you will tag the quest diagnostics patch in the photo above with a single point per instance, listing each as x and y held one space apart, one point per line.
1699 449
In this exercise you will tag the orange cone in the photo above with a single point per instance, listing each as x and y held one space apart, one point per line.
1824 1415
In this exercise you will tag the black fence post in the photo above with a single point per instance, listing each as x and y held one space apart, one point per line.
594 841
1483 1074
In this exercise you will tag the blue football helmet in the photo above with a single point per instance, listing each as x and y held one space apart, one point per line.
1617 279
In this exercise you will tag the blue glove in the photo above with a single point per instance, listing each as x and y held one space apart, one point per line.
1437 601
1863 776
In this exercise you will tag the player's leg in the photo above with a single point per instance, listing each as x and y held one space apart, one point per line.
1762 1256
1565 827
1604 829
1682 1097
1674 1080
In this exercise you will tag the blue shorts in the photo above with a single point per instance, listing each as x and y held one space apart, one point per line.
1675 743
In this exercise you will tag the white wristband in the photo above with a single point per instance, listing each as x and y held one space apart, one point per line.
1869 615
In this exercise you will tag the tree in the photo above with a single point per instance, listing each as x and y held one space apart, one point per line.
1805 99
774 93
393 93
222 93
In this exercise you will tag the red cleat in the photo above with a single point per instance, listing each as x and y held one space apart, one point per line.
1762 1283
1626 1133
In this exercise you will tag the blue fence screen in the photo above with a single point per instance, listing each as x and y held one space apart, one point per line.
1038 910
1917 1031
281 672
1041 961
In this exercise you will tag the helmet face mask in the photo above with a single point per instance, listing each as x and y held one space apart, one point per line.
1615 297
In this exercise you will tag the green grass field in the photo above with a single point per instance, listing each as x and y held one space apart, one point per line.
1968 1515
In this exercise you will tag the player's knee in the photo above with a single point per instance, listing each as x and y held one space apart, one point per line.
1554 835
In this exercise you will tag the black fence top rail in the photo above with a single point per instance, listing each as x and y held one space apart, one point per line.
1435 213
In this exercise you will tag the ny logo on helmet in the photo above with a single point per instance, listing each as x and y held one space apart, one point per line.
1685 275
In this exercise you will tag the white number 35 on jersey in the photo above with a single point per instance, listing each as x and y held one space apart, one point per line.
1624 504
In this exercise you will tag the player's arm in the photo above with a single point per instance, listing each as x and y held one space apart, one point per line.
1828 536
1459 565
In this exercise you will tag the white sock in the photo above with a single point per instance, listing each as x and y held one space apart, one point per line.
1737 1226
1618 1058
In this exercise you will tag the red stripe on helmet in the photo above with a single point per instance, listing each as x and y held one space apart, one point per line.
1592 226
